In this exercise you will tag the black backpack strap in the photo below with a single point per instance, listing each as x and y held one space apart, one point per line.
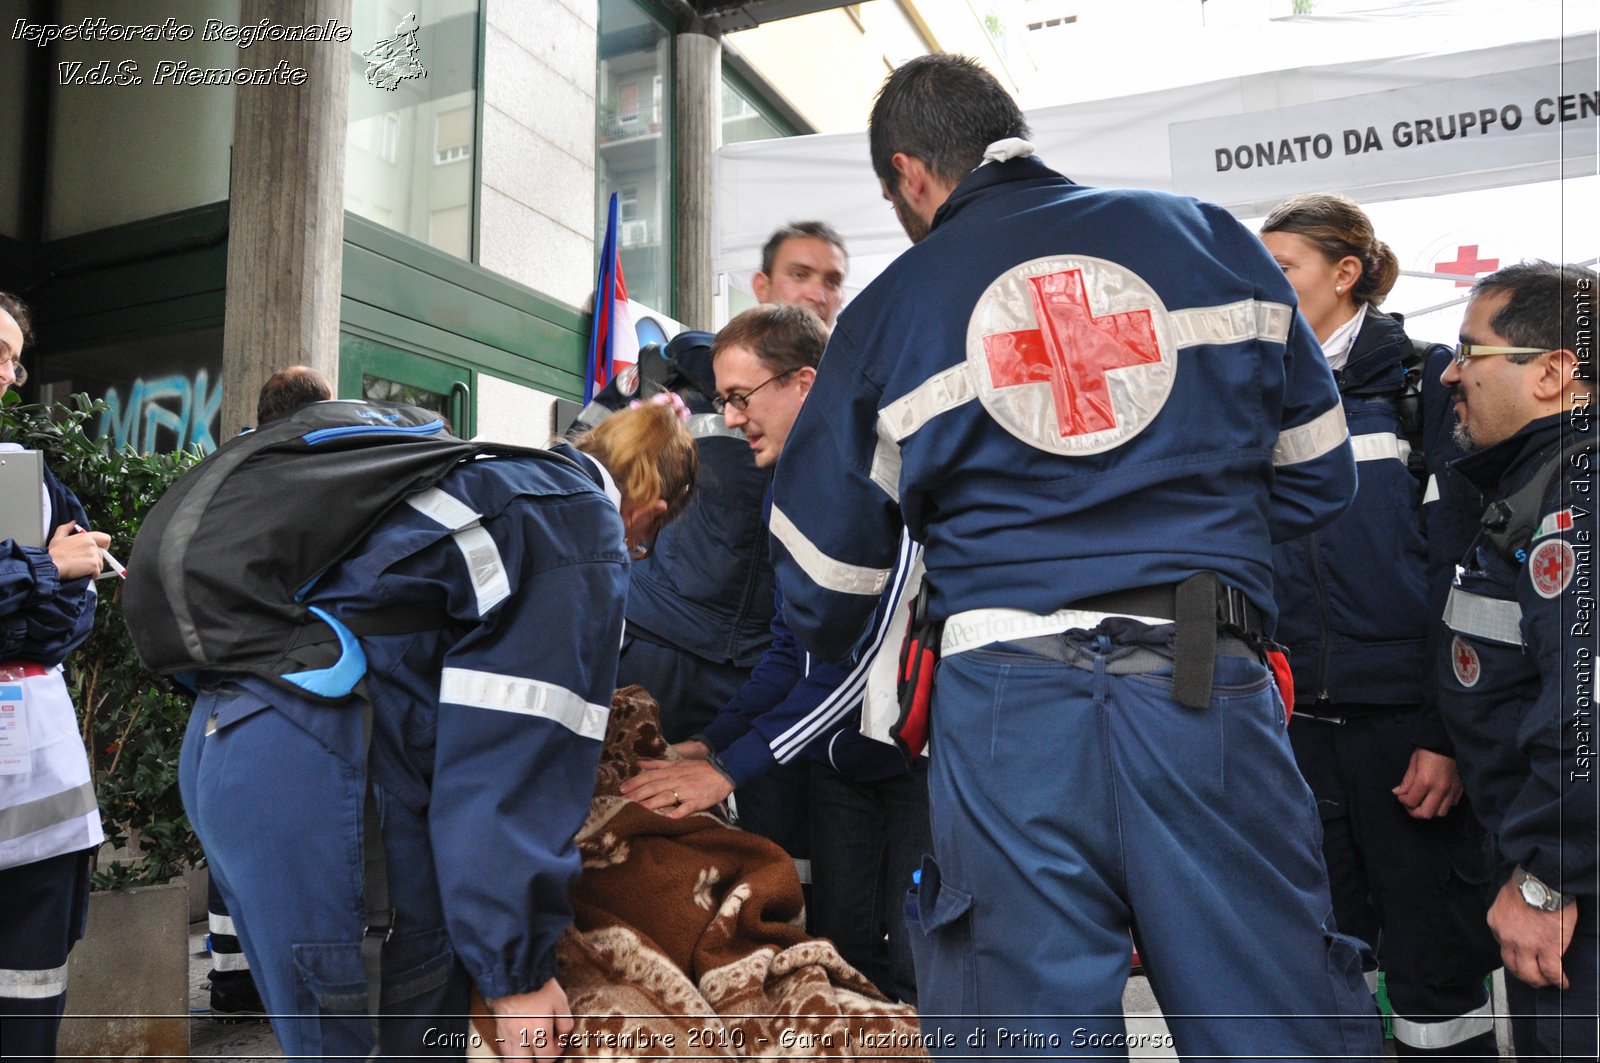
1509 524
1408 407
380 915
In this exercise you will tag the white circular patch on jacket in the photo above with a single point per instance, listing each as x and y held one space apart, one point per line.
1071 354
1551 566
1464 659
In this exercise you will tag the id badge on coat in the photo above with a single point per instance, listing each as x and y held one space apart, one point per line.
15 748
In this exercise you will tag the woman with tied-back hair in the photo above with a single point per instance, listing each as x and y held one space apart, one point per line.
1404 852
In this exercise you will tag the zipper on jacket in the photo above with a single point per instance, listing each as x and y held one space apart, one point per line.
1323 696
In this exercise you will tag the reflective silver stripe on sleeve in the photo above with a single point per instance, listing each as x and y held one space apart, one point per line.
229 961
1494 619
1313 439
885 471
823 570
1231 323
944 390
1376 446
708 425
1474 1023
220 924
489 581
47 811
530 697
1431 492
443 508
33 985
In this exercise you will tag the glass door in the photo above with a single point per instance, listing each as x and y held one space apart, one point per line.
372 370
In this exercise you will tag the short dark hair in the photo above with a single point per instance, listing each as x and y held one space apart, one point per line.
944 110
1551 307
289 389
1339 228
815 230
785 338
19 313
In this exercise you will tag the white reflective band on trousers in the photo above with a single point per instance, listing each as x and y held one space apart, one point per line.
49 809
1474 1023
1494 619
33 985
975 628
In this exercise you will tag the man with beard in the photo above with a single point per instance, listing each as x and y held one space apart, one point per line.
1516 690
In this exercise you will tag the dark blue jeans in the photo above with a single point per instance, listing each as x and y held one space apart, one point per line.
866 840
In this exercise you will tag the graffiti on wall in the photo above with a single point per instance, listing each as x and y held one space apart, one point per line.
170 412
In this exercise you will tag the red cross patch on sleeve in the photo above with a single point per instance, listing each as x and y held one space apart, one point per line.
1551 566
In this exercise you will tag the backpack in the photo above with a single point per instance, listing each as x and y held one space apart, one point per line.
220 564
1408 407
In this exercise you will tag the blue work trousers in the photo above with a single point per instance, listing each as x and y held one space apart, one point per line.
1070 805
47 903
1551 1023
866 840
1416 890
280 817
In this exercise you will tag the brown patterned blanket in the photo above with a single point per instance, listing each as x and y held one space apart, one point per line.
688 938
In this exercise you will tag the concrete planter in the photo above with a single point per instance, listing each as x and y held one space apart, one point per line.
128 979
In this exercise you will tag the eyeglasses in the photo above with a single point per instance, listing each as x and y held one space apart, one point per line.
640 551
1481 350
742 402
19 370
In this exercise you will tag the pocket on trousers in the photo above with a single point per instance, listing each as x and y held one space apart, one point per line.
939 918
414 965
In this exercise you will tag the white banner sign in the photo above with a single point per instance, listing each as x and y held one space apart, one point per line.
1538 117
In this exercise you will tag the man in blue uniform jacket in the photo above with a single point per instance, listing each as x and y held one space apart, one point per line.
486 730
1096 409
1517 683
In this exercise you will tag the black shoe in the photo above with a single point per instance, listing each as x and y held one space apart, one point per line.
236 1000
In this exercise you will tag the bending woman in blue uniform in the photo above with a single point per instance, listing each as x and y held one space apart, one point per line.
486 733
1405 856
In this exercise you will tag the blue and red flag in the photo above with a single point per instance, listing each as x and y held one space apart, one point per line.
613 344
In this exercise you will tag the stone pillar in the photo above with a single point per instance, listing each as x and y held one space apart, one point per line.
285 209
698 96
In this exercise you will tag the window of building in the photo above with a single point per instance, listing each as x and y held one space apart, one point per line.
413 119
633 127
452 136
742 118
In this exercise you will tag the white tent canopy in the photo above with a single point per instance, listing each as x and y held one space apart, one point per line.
1425 99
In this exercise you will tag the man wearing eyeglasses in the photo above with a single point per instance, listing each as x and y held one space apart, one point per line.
1517 689
868 807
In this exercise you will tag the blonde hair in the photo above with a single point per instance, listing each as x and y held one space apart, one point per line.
649 452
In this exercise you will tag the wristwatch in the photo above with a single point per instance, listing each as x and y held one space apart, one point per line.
1540 896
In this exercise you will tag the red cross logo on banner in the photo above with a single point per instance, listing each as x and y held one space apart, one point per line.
1072 349
1468 264
1464 659
1551 566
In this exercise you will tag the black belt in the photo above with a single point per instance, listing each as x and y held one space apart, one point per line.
1201 606
1234 612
